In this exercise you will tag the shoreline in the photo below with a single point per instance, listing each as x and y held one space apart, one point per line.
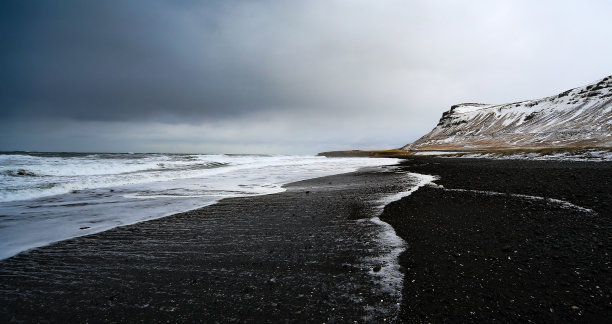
45 219
479 248
561 153
308 253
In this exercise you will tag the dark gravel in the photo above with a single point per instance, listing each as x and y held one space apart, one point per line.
478 257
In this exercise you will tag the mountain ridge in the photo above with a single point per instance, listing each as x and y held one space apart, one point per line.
580 117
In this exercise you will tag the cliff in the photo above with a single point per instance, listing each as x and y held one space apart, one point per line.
580 117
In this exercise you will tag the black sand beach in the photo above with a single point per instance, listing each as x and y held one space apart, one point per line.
302 255
484 257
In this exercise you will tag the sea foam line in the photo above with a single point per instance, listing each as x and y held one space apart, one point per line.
389 274
563 203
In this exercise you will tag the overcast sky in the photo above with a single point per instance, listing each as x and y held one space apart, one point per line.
288 77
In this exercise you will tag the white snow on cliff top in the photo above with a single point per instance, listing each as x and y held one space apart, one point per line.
469 107
580 117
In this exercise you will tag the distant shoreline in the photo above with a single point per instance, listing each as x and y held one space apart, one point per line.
460 152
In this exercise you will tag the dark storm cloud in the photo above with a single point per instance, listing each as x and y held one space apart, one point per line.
113 60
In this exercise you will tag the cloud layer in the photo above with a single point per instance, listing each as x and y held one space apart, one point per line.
278 77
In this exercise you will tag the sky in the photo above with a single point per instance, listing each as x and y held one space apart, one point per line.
278 77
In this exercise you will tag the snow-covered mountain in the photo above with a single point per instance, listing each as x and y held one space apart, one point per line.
580 117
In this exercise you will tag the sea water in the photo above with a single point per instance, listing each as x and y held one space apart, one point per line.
49 197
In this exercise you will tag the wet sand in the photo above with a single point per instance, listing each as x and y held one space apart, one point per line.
494 253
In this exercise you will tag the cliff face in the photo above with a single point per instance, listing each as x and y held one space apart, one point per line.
580 117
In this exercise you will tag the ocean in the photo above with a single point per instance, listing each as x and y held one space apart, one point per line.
49 197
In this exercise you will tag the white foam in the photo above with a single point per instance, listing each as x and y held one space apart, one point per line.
390 277
59 175
422 179
34 217
562 203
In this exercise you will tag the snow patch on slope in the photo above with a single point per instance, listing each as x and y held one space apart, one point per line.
580 117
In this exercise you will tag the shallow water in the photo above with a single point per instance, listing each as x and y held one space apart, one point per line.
48 197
